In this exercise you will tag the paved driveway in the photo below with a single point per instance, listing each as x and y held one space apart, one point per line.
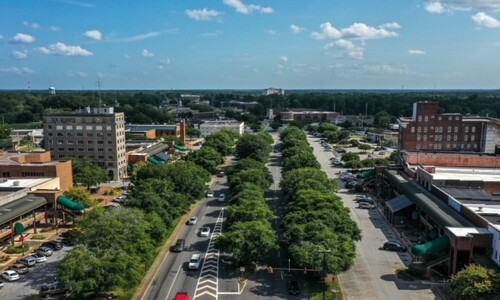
372 276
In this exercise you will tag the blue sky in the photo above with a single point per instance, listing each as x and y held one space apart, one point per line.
250 44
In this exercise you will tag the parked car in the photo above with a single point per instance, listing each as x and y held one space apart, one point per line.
366 205
1 284
53 289
340 150
194 262
28 261
54 245
351 183
181 296
69 242
293 288
361 197
45 251
221 174
210 194
179 245
10 275
366 200
39 257
394 246
192 221
221 198
205 231
20 268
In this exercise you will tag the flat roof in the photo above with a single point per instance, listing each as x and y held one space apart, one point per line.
466 174
17 208
13 183
6 160
465 231
489 212
478 195
146 127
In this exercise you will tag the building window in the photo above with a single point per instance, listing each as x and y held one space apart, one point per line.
412 129
450 118
456 128
69 127
88 127
466 128
472 138
420 118
90 149
475 146
79 134
466 138
440 118
473 128
455 137
468 146
449 128
419 129
110 157
425 128
59 127
59 134
79 127
80 149
90 142
448 138
89 134
457 118
426 119
447 146
418 137
60 149
80 142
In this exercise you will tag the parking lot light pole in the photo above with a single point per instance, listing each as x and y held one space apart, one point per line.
324 252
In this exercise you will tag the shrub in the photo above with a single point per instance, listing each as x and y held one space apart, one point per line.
364 147
38 237
17 249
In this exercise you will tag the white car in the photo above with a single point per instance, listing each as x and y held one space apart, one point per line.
210 194
39 257
193 221
194 262
10 275
221 198
205 231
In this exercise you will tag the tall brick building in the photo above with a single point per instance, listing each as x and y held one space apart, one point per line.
97 134
429 131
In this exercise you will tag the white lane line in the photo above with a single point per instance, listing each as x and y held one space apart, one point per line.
172 285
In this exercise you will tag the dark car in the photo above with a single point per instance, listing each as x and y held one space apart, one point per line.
53 289
394 246
179 245
293 288
54 245
69 242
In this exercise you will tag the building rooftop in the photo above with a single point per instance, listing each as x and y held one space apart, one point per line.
465 231
6 160
147 127
467 174
21 183
491 213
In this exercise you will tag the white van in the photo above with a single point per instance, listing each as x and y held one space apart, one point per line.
221 198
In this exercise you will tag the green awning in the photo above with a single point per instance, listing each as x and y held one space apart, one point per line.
70 204
154 161
431 247
180 148
366 174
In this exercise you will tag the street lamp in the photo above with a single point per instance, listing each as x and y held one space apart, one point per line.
324 266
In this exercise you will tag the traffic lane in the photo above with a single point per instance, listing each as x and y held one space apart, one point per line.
30 283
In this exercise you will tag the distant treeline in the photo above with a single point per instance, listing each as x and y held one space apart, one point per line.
144 106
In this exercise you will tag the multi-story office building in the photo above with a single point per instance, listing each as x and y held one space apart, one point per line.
429 131
307 115
210 127
97 134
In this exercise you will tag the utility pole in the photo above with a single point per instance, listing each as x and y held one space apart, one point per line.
324 252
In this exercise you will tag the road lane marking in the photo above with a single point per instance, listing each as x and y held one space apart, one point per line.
172 285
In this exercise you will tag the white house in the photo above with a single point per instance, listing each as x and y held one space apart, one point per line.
209 127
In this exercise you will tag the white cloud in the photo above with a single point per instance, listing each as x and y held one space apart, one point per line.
271 32
350 50
17 71
94 34
284 58
385 69
247 9
364 32
33 26
77 3
203 14
54 28
483 20
434 7
416 52
147 53
61 49
140 37
19 54
392 25
355 31
1 37
212 34
327 32
442 6
162 64
22 38
127 56
296 29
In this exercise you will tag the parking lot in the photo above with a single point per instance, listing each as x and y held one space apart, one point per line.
39 274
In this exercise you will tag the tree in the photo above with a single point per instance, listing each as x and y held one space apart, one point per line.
248 241
252 210
191 131
475 282
302 160
350 156
88 174
81 195
256 176
222 141
207 157
254 146
4 132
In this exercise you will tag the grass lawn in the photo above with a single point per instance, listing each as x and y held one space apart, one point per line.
331 289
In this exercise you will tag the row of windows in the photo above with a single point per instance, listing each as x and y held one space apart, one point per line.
90 149
80 142
439 137
439 146
439 129
99 120
440 118
32 174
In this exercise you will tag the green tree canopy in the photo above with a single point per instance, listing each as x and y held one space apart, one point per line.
88 174
255 146
475 282
81 195
222 141
207 157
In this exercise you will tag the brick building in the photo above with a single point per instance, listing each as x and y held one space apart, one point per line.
97 134
429 131
314 116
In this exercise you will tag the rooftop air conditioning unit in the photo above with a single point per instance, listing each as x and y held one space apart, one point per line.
16 183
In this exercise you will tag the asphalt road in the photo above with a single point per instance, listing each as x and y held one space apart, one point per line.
372 276
173 275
